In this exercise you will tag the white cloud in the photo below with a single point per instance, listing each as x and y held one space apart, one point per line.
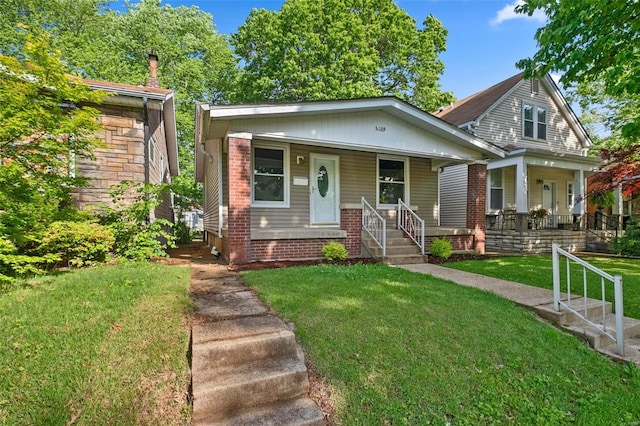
508 13
556 78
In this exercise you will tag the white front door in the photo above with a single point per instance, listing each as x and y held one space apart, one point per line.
549 196
324 185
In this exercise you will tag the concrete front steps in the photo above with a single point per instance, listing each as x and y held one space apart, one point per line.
599 341
400 249
247 367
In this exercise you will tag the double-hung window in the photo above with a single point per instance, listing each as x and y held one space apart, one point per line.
270 178
497 189
570 197
534 118
393 182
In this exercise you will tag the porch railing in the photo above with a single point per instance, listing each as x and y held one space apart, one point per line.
526 221
617 286
411 224
602 222
375 225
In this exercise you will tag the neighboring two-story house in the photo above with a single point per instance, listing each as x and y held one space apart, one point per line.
140 142
540 184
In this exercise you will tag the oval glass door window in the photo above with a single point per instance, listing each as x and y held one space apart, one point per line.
323 181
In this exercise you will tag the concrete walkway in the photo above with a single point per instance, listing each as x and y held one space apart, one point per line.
541 301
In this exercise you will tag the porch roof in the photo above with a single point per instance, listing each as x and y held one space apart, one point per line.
546 158
385 124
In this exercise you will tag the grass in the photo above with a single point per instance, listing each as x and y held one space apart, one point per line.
537 271
103 345
403 348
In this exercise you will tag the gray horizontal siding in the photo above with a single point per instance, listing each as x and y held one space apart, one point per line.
503 125
357 179
453 196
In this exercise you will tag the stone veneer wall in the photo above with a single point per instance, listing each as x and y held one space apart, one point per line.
121 157
507 241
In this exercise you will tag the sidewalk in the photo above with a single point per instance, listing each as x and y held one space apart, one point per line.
538 299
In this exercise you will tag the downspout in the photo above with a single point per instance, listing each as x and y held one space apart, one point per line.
145 119
205 152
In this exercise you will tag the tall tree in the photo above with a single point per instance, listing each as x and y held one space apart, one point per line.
340 49
44 124
596 46
195 60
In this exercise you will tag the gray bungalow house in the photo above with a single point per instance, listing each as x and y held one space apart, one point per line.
282 180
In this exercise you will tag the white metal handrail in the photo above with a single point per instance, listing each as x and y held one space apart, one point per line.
617 294
375 225
411 224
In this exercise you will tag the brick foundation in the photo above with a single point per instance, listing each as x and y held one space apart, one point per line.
270 250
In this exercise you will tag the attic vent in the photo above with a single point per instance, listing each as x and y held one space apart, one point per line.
535 85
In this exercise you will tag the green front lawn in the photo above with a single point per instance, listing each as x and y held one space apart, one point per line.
404 348
537 271
103 345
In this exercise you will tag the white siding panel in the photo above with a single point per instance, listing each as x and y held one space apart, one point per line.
503 125
453 196
366 131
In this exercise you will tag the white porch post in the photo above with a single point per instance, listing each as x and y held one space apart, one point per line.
522 190
581 190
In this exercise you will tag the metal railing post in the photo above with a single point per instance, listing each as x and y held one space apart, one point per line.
617 285
556 277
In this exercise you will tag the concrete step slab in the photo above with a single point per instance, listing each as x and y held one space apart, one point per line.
233 352
297 412
595 336
591 307
229 305
404 259
222 392
236 328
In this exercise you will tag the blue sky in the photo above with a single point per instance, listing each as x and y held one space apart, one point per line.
486 38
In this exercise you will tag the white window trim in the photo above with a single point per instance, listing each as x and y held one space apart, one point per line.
287 174
406 180
535 120
490 187
572 193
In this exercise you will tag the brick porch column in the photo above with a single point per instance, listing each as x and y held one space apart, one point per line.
351 221
476 203
239 164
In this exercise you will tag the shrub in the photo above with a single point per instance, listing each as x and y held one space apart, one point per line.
14 264
182 233
135 237
629 243
77 243
441 247
334 251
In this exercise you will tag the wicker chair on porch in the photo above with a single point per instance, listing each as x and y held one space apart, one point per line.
508 216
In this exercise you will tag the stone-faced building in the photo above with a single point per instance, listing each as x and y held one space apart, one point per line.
140 143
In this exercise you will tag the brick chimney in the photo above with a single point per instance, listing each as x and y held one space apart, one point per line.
152 80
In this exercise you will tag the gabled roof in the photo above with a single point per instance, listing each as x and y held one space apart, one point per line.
130 90
216 121
472 107
139 94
